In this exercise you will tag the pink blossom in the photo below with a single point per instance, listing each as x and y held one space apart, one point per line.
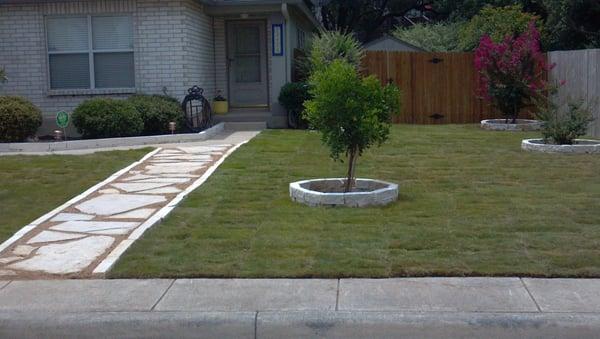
515 61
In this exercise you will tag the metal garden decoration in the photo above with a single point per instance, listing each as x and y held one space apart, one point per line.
196 110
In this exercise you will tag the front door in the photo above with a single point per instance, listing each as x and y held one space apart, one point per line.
247 63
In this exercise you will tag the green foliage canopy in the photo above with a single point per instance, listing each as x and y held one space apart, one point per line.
333 45
497 23
437 37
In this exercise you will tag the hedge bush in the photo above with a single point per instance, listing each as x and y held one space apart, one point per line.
157 111
105 118
19 119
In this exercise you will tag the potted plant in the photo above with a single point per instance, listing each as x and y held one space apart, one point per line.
352 114
510 74
220 104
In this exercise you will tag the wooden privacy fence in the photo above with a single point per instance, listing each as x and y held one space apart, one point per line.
581 71
437 87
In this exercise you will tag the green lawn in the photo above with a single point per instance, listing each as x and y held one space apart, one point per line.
31 186
471 203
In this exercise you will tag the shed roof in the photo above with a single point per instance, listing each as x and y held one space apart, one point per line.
393 40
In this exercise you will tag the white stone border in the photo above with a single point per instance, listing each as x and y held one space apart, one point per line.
378 197
11 148
155 219
521 125
19 234
538 145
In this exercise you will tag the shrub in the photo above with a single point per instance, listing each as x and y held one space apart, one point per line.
292 97
511 73
157 111
439 37
351 113
19 119
333 45
495 22
105 118
563 124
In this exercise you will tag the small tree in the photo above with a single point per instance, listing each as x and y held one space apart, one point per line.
352 113
511 72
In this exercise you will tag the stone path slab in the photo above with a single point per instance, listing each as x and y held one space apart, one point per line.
85 236
72 216
53 236
142 213
96 227
109 204
70 257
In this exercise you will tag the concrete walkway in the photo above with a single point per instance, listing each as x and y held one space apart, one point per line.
295 308
85 236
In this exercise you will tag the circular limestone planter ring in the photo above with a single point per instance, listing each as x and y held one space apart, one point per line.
520 125
580 146
330 192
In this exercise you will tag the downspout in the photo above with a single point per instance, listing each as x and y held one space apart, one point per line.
286 41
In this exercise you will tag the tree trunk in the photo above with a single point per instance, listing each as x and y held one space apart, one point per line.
350 175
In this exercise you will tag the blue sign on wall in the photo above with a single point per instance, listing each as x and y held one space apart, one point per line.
277 39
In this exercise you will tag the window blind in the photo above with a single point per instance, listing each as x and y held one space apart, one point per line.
73 63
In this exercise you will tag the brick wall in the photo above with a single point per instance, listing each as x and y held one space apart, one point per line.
172 47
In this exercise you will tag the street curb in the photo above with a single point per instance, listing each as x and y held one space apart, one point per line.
308 324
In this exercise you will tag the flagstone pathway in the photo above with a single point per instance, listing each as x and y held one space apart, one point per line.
87 235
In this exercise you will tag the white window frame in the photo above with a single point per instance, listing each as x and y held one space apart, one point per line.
90 51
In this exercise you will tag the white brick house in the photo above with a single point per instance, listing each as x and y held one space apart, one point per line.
58 53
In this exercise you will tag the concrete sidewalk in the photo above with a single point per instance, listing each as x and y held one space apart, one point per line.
276 308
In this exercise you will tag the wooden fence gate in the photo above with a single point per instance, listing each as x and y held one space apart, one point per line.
436 88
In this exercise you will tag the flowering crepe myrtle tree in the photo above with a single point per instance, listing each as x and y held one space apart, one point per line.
511 72
352 113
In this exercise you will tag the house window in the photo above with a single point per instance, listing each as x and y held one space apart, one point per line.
88 52
301 39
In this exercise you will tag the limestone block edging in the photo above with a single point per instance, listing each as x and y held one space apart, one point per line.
374 193
110 142
582 146
521 125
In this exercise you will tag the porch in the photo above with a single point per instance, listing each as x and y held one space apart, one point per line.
253 56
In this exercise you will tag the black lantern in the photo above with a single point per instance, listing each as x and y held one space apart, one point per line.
196 110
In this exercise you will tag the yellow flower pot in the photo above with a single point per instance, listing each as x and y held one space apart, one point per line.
220 107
